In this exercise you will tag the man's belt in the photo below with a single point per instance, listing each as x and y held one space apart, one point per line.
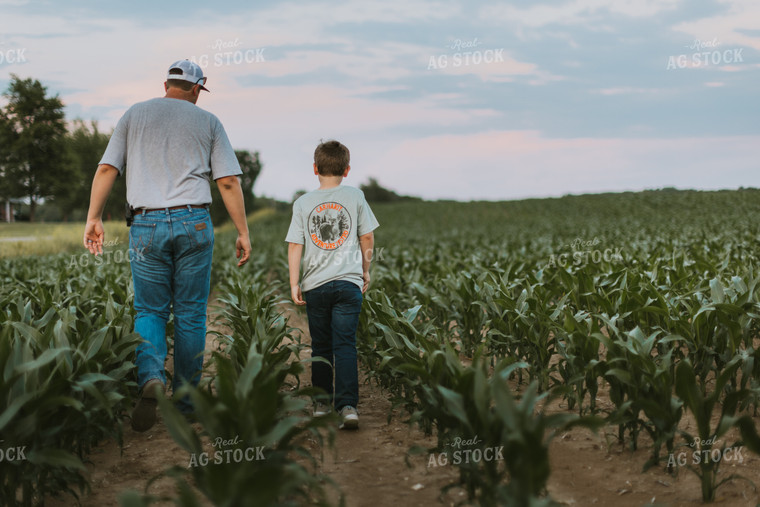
140 211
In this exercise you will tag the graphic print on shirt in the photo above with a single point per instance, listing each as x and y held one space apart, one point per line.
329 225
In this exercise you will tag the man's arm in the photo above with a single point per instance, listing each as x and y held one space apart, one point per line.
294 269
102 184
367 244
232 195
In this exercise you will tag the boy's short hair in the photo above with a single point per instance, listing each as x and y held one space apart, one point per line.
332 158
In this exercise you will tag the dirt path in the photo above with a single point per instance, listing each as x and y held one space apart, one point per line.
369 465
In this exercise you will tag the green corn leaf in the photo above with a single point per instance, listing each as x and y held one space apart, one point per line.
56 458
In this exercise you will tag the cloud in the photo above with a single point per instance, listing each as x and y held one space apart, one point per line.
488 64
732 27
329 13
626 90
576 12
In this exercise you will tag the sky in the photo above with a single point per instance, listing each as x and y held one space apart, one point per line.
464 100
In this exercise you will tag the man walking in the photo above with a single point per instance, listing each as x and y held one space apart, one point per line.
169 148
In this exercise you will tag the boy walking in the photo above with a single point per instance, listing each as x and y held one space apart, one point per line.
332 228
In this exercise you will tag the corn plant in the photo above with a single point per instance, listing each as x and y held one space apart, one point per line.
702 404
581 366
484 413
525 317
386 340
67 377
642 382
463 291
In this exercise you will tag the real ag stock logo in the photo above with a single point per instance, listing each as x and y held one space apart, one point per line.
584 252
465 55
223 454
704 54
353 256
10 56
12 452
466 451
701 455
118 256
229 52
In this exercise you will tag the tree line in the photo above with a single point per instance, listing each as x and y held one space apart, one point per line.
48 162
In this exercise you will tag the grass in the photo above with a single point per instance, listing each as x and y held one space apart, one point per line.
53 238
21 239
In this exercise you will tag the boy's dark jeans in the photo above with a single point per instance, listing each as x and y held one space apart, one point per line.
333 311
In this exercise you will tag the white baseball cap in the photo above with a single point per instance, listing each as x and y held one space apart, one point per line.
186 70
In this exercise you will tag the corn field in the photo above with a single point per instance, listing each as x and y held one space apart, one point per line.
480 317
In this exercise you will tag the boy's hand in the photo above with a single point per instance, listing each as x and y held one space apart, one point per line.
365 277
295 293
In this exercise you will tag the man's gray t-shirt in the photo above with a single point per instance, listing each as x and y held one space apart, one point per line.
328 223
170 147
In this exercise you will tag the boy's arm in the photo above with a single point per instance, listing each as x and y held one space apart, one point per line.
294 268
367 244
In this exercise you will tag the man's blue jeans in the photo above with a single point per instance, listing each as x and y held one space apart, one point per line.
172 272
333 311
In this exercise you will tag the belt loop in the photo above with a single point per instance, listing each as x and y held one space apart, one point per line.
189 208
166 210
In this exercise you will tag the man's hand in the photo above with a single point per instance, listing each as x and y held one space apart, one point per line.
365 277
93 236
243 248
295 293
232 195
102 183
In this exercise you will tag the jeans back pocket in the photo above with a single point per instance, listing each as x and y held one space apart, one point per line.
200 231
141 237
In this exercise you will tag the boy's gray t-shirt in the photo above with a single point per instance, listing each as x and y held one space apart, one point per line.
170 147
328 223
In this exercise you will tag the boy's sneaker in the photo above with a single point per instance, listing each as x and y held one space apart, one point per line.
144 414
322 409
349 418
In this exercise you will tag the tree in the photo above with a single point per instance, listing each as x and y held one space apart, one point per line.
296 195
251 167
32 149
374 192
85 145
